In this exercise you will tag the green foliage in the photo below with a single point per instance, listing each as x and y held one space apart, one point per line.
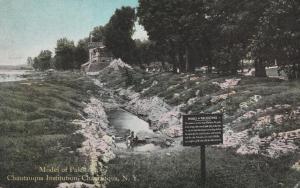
196 33
64 54
29 61
81 54
42 61
199 33
278 36
118 32
223 33
98 34
148 51
67 56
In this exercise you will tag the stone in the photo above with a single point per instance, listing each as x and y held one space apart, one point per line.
278 118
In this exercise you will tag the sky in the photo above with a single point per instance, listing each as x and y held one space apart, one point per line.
29 26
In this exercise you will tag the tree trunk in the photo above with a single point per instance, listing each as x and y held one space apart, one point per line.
192 59
209 56
234 71
234 68
181 62
176 65
298 71
209 64
187 59
173 59
260 69
242 66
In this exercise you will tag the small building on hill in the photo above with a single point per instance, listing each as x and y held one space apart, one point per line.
99 57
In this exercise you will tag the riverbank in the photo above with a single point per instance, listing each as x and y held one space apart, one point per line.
260 115
37 129
64 118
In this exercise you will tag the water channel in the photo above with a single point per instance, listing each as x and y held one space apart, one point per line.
124 122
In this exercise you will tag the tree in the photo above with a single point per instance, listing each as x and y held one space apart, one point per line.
148 51
118 34
235 22
43 60
161 21
202 32
29 62
278 37
182 30
81 53
98 34
64 54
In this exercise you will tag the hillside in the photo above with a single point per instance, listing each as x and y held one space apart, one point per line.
261 124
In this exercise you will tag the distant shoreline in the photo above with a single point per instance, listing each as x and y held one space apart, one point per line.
15 67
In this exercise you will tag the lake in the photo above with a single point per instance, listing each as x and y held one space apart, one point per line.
13 75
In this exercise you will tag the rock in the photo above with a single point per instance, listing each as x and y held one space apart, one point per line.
252 100
107 156
174 131
192 100
155 82
194 78
247 150
116 64
262 121
296 166
76 185
259 111
173 86
218 98
249 114
143 81
229 83
234 139
279 118
97 144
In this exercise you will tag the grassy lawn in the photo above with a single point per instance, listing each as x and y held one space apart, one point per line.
181 169
36 128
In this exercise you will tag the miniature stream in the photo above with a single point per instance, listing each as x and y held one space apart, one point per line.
123 122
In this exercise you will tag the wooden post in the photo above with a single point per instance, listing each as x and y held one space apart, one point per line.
203 167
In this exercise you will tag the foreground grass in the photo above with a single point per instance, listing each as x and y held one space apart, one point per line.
181 169
36 128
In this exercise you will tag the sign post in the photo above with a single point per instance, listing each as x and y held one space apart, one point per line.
201 130
203 166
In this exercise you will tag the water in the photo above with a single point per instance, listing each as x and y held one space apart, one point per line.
124 122
13 75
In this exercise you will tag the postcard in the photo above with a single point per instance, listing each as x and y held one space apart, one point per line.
149 94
